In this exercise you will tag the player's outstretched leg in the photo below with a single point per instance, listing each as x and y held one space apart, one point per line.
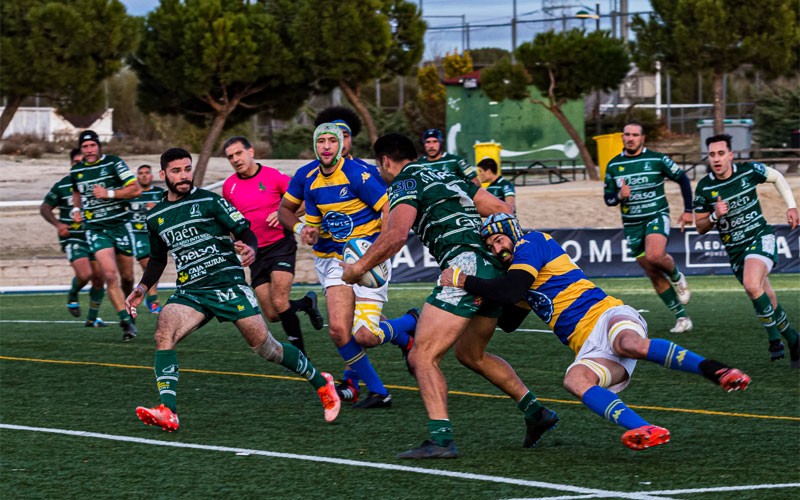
675 357
640 435
163 415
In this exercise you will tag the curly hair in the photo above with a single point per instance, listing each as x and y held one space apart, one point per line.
347 115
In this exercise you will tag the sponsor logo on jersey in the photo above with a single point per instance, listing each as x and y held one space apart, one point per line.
237 216
364 177
343 192
160 220
339 224
183 276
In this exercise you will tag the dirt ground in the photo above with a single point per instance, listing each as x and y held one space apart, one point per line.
29 251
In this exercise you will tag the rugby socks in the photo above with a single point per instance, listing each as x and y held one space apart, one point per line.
766 315
166 368
606 404
396 330
355 356
151 299
529 406
671 355
291 325
670 298
782 320
296 361
95 299
124 316
675 275
441 432
72 294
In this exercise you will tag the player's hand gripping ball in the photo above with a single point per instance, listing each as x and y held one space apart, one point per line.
375 277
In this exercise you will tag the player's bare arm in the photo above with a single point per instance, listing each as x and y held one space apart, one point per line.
391 240
488 204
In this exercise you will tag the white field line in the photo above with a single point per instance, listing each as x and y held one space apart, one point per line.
745 487
594 493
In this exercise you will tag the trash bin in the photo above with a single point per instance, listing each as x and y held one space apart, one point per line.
488 150
739 130
608 146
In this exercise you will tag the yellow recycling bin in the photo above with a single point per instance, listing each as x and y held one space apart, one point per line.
608 146
488 150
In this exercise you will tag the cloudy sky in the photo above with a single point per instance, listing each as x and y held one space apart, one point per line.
449 31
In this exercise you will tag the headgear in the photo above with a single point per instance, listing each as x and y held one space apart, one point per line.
88 135
506 224
332 129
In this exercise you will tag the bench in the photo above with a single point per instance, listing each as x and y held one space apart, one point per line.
558 171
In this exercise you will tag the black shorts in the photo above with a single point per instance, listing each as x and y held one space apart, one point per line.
279 256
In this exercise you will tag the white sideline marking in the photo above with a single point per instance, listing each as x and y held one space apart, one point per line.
65 322
750 487
593 493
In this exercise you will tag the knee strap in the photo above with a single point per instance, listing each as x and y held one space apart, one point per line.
368 314
626 324
603 373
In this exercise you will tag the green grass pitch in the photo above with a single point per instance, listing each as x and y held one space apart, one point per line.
251 430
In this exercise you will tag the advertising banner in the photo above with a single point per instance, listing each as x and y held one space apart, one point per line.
604 253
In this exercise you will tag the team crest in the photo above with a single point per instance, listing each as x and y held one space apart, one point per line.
240 307
89 215
183 276
195 210
714 193
647 166
160 220
103 172
343 192
261 186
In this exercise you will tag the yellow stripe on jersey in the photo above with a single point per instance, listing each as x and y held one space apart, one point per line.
524 267
346 207
566 297
586 324
556 267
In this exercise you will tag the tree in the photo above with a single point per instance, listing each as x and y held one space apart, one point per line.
61 50
217 62
456 64
563 66
721 36
350 42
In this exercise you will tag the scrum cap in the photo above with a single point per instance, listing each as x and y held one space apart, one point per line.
506 224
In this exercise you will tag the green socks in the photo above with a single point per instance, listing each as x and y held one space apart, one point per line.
766 315
529 406
670 298
166 368
441 432
295 360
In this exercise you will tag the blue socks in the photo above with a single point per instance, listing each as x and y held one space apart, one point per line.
396 330
606 404
355 356
674 357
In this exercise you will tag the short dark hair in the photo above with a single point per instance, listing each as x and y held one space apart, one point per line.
74 152
636 123
719 138
396 146
333 113
488 164
144 166
173 154
233 140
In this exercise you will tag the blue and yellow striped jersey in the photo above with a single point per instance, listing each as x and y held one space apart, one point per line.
345 204
560 295
325 246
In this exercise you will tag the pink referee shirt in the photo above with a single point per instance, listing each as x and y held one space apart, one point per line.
256 198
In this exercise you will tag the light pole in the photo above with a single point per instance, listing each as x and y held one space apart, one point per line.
585 14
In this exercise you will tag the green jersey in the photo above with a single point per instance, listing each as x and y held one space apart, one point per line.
141 204
501 188
744 221
60 197
112 173
450 163
645 174
447 221
196 231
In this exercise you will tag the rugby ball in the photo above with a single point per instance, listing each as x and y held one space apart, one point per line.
375 277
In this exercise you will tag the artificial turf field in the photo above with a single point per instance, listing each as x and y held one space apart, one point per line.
250 430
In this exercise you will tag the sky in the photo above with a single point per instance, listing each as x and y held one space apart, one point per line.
448 31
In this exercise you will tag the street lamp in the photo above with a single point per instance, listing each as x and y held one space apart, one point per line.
585 14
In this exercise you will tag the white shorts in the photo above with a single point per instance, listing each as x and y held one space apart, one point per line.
598 344
329 273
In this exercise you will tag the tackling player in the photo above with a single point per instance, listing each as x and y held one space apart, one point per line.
606 335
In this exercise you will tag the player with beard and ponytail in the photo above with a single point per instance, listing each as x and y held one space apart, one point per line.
195 226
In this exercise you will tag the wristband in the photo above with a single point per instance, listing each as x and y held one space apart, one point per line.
111 193
713 217
298 228
142 288
456 275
